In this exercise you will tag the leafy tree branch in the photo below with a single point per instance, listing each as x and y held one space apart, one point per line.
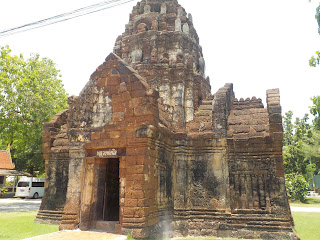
31 93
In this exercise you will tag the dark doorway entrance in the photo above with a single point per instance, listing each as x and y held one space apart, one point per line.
109 191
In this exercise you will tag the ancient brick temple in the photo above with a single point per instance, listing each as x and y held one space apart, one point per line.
147 149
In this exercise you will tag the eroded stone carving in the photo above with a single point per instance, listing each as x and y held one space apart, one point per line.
178 25
142 27
186 28
163 8
136 56
180 12
154 55
154 25
147 9
190 17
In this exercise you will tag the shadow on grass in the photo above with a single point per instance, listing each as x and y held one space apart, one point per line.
310 202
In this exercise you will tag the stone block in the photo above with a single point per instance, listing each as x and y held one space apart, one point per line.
118 107
143 110
138 93
115 134
118 116
95 135
113 80
275 118
136 151
125 96
117 99
276 127
137 194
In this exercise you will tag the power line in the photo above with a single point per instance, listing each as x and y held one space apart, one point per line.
64 16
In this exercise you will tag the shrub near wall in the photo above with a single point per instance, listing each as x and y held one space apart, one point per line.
297 187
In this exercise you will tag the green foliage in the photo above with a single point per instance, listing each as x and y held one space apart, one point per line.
301 153
3 191
30 94
318 17
294 137
311 151
287 128
41 175
129 237
314 60
315 111
297 187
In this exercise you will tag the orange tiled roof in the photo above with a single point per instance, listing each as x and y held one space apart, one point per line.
5 161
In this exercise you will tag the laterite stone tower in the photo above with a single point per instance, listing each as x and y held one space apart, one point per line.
147 149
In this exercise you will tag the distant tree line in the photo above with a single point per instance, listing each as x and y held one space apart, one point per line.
301 150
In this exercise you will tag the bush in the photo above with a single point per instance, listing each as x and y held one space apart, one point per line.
3 191
129 237
297 187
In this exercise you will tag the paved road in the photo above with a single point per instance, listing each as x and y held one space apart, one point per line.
305 209
19 205
79 235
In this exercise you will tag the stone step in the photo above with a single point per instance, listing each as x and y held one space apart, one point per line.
259 218
203 113
67 221
50 213
49 217
66 217
203 119
262 223
253 227
206 102
205 107
250 211
106 226
70 213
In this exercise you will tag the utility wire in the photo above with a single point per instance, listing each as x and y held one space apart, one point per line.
65 16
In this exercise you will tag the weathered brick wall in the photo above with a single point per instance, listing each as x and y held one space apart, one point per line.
133 105
56 156
255 155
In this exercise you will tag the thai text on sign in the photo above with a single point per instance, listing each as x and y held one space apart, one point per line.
107 153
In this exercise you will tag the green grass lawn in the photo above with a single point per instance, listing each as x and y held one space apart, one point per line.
19 225
205 238
311 202
307 225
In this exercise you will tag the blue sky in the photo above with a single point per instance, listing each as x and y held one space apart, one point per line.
254 44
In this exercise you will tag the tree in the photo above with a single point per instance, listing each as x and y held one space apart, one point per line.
315 60
297 187
30 94
295 134
311 147
315 111
288 128
298 167
311 150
